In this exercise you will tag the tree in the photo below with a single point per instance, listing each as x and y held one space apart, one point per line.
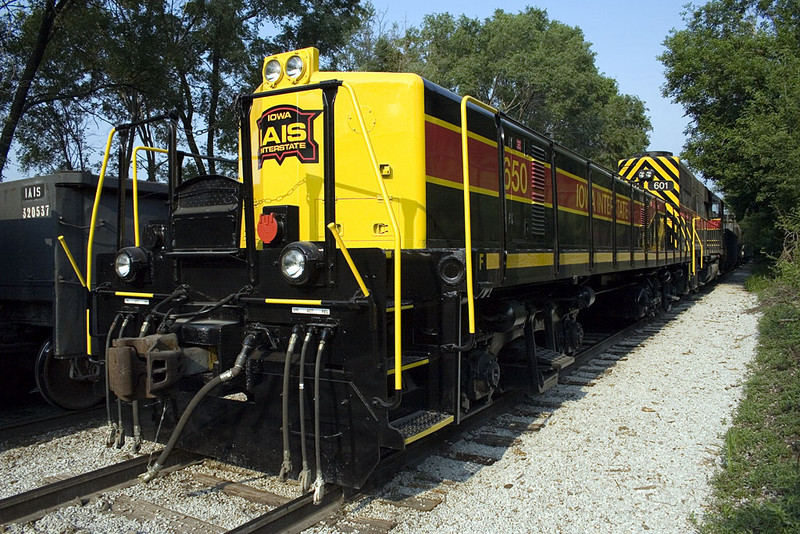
540 72
375 46
113 61
735 70
42 36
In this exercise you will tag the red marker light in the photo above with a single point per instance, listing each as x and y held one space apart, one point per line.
268 228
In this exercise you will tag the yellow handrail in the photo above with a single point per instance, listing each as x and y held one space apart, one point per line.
694 234
702 252
348 259
299 302
398 330
136 190
467 209
95 207
134 294
71 259
92 222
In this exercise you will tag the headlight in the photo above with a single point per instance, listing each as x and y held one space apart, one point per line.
300 262
129 262
122 264
293 264
273 71
294 67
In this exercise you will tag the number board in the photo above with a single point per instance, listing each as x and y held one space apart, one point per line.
661 186
34 192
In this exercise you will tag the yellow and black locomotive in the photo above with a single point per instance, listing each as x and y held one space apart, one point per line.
390 258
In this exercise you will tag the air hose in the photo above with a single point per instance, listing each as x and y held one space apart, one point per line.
112 427
119 442
286 467
305 473
319 483
250 342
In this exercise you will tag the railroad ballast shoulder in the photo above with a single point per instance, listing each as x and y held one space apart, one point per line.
343 297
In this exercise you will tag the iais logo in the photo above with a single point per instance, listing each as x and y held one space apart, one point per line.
286 131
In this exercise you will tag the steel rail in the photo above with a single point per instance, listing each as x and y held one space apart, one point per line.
34 503
297 514
594 350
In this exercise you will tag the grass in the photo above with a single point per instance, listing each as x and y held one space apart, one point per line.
758 488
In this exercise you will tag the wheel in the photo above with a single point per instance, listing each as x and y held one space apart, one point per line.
56 386
666 299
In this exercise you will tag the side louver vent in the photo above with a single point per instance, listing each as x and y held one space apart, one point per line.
538 219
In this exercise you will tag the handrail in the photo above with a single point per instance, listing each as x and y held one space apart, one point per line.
702 252
71 260
136 190
348 259
398 331
467 209
694 254
90 245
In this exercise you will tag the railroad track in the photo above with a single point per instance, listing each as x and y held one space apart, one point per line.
104 485
50 419
398 483
33 504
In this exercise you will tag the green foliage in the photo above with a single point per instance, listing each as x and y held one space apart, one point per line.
759 488
756 283
734 69
113 61
787 268
539 71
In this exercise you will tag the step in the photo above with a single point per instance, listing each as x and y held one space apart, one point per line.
550 379
421 423
555 360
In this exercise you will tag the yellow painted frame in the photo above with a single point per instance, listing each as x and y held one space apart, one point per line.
134 294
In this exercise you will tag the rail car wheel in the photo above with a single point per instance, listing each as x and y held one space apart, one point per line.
55 384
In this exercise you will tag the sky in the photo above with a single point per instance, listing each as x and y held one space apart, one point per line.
626 36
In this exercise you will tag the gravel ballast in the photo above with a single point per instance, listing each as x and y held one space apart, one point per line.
631 453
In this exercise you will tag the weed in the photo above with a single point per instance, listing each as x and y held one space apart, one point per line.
758 488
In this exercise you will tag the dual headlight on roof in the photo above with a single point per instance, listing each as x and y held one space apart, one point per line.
293 69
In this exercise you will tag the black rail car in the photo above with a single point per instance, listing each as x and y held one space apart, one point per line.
391 257
42 300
